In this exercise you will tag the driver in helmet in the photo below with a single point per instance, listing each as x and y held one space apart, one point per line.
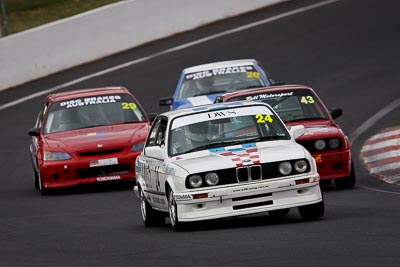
204 85
197 133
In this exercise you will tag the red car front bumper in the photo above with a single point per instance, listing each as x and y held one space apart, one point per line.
333 164
88 170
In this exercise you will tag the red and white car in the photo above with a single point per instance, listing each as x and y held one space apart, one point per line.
323 138
87 136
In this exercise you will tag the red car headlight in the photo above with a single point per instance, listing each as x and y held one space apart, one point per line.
50 156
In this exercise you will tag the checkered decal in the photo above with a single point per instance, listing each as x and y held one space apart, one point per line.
246 154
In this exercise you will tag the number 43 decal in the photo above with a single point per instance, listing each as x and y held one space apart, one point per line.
263 118
307 99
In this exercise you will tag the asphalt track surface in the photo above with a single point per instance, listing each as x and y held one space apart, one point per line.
348 51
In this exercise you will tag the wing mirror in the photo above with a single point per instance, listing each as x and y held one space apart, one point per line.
166 101
335 112
154 152
34 132
297 131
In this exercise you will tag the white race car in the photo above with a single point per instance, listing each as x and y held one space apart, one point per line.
224 160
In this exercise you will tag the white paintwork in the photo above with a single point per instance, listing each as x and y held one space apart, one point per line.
224 200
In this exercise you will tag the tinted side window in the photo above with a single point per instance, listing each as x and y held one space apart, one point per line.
151 141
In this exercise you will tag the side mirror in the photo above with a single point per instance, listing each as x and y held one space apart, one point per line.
297 131
34 132
154 152
335 112
166 101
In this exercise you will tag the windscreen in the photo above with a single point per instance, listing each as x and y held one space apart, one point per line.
296 105
224 127
110 109
220 80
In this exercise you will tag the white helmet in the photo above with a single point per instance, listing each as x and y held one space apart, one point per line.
198 131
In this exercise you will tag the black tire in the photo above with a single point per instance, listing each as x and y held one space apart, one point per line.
325 182
43 191
150 216
173 212
347 182
36 179
313 211
278 213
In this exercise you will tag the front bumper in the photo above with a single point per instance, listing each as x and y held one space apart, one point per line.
82 171
247 199
333 164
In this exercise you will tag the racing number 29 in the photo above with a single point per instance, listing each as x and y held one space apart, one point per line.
126 105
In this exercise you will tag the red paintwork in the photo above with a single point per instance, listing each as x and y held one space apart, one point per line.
331 163
62 173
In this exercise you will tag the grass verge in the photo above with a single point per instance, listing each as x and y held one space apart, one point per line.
26 14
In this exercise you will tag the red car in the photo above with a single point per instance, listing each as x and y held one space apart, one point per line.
324 139
87 136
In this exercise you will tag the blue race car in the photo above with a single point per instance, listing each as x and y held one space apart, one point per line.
200 85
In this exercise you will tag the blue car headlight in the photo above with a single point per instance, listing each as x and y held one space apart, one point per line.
138 147
50 156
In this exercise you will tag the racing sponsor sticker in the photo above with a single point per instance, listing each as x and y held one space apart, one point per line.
219 114
183 197
103 162
79 102
221 71
267 96
108 178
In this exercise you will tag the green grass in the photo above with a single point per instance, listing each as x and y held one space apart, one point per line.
26 14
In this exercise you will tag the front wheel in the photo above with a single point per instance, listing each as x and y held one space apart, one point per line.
150 216
347 182
313 211
173 212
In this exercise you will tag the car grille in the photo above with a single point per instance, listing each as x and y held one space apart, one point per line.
100 152
103 170
247 173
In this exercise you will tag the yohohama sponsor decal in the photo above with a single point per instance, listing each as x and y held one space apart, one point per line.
108 178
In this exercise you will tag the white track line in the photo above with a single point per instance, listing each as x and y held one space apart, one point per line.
384 135
163 52
380 156
383 144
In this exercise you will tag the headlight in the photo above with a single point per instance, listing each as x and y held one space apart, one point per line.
320 144
212 178
138 147
285 168
333 143
300 166
195 181
49 156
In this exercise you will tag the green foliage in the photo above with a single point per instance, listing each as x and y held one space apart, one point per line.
26 14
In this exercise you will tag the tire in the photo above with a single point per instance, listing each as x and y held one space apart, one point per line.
347 182
313 211
278 213
36 179
325 182
173 212
150 216
42 190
